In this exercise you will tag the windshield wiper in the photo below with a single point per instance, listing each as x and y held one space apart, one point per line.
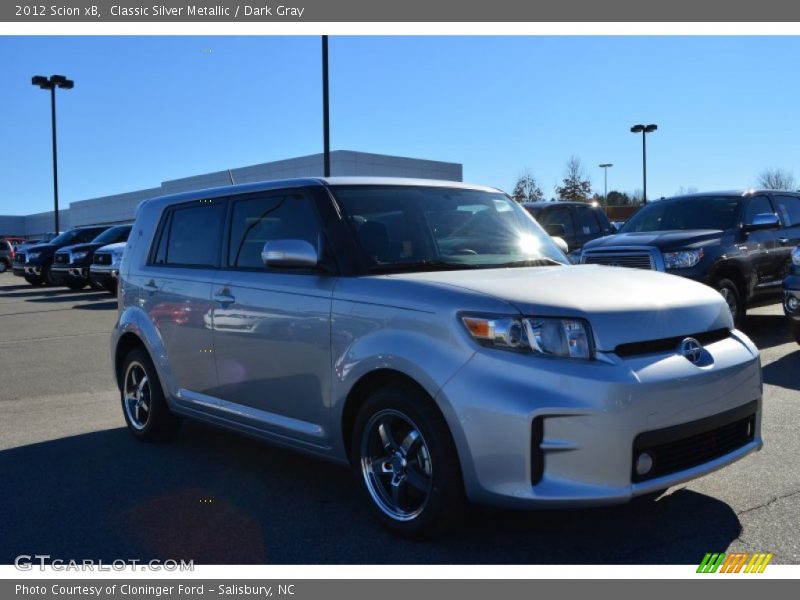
421 265
527 262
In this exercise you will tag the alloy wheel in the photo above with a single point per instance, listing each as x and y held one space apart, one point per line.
136 393
396 465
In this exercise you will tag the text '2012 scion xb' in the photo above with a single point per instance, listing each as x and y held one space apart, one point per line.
432 336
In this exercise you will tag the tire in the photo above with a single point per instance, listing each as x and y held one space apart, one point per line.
406 463
111 288
143 404
795 327
33 280
47 276
74 283
731 294
3 266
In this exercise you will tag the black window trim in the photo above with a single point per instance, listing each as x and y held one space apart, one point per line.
166 219
329 267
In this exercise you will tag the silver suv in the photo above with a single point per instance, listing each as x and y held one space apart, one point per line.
433 337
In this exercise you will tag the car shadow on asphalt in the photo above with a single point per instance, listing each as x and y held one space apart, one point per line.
219 498
784 372
71 296
98 305
767 331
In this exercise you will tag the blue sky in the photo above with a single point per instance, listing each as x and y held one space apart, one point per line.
146 109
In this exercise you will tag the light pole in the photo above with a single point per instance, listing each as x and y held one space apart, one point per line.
326 138
644 130
55 81
605 166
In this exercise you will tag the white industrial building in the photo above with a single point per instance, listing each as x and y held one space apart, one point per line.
120 208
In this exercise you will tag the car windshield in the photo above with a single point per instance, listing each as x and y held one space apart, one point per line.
410 228
698 212
115 234
66 237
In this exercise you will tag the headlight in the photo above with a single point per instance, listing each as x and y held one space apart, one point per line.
682 259
796 256
33 255
568 338
78 256
116 256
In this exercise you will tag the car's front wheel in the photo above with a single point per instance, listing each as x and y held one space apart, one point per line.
406 462
733 299
3 266
143 404
34 280
795 327
75 283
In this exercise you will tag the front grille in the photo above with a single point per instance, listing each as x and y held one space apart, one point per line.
633 260
61 258
670 343
19 258
685 446
101 259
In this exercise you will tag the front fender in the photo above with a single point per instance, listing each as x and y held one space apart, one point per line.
422 346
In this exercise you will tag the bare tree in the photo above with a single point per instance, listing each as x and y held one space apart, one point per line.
526 189
576 185
683 191
776 179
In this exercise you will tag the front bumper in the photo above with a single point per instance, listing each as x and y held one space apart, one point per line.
105 275
791 290
63 271
18 269
541 432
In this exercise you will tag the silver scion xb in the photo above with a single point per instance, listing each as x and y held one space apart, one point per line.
433 337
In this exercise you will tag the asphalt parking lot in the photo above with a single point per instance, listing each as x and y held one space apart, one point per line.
76 485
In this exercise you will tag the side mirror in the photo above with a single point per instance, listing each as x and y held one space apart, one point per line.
762 221
555 230
289 253
562 245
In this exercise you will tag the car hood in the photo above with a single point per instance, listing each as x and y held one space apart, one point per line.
45 248
622 305
659 239
89 246
112 247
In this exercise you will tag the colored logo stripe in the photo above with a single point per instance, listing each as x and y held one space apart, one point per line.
734 563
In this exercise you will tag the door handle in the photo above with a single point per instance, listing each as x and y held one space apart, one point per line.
783 241
224 296
150 286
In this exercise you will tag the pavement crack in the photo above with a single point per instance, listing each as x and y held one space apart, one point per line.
769 502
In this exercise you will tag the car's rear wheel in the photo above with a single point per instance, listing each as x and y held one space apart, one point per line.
143 404
406 462
3 266
730 293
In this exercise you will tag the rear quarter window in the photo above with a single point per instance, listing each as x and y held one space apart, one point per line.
190 235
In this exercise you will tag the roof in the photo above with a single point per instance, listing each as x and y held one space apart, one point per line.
545 203
261 186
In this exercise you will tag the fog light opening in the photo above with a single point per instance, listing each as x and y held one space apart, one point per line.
644 462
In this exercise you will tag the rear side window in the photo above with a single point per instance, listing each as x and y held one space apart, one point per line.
789 210
256 221
758 205
555 220
191 235
586 220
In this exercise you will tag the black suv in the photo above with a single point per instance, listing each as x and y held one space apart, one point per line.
34 262
738 243
71 263
575 222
